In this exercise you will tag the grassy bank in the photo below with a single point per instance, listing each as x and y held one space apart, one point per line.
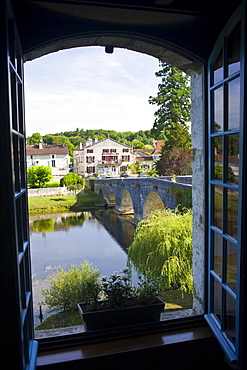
46 205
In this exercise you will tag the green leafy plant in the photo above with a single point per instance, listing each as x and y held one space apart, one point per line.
163 246
71 179
117 291
183 197
67 288
38 176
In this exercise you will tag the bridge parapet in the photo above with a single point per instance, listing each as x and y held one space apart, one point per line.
139 195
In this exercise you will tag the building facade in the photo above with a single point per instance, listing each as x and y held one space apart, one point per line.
54 156
106 157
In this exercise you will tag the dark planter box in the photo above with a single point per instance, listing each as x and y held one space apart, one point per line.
112 318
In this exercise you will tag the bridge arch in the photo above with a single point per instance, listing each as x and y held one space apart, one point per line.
153 203
101 194
126 206
112 200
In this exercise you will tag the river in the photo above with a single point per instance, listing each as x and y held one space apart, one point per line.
61 240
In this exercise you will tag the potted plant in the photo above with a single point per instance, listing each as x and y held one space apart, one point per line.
118 303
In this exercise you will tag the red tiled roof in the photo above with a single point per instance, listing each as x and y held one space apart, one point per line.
159 144
47 149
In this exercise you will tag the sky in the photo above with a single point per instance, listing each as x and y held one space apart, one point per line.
86 88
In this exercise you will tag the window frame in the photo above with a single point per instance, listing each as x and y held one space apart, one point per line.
234 353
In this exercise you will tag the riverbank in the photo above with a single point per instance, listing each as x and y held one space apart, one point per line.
57 204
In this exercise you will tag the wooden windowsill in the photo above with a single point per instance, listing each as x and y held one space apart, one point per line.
125 345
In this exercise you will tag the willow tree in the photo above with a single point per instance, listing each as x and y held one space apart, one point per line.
162 246
173 101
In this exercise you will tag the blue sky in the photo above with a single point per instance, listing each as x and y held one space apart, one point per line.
89 89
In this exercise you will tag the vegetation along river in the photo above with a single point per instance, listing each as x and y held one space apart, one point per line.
61 240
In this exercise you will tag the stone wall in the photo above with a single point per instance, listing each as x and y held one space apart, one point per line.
47 192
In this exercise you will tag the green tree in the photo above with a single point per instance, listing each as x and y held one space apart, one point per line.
162 246
173 100
178 137
34 139
38 176
72 179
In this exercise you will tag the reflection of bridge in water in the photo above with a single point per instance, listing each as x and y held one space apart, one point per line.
120 227
140 196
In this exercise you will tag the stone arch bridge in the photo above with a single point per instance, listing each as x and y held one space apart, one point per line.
140 196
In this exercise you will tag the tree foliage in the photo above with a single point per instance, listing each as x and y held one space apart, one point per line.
176 162
67 288
72 179
173 100
38 176
163 246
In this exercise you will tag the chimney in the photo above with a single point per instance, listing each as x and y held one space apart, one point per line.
80 146
40 144
95 140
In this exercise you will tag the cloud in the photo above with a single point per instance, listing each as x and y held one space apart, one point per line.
87 88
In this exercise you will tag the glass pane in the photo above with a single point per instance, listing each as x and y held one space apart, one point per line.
234 51
217 300
231 266
218 159
218 198
218 110
217 68
232 213
218 254
230 318
234 104
233 158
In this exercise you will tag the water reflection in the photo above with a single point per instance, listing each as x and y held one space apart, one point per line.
59 241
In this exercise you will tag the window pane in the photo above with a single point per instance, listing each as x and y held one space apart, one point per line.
233 158
218 254
230 318
218 68
218 198
234 104
217 300
231 266
234 51
218 120
218 159
232 213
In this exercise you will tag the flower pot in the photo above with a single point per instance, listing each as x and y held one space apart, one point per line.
113 318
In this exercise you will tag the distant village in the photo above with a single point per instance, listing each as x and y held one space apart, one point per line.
104 158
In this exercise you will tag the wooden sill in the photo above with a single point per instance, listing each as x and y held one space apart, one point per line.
120 346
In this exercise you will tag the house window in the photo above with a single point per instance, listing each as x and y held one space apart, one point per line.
53 163
105 150
113 150
89 150
125 158
53 156
125 150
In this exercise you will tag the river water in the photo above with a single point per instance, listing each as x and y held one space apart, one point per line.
59 241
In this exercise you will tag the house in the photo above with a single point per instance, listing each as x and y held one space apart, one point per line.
207 40
147 157
106 156
54 156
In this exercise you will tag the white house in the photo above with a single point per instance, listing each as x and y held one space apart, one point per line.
106 156
54 156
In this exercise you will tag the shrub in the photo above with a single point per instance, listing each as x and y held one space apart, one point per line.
67 288
71 179
163 246
38 176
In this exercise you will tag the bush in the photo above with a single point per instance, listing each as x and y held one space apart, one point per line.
67 288
38 176
163 246
71 179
